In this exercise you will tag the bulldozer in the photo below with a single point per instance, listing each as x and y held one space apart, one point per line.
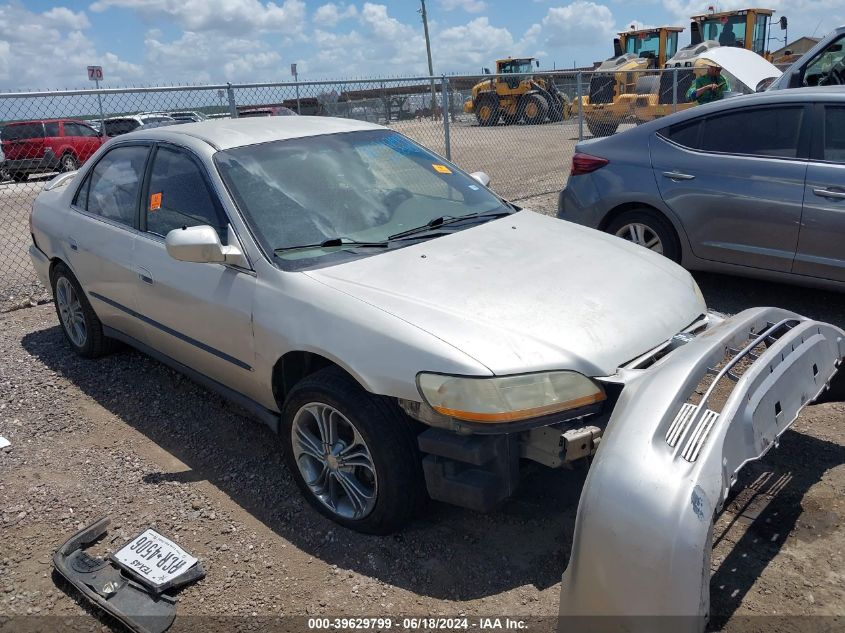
744 28
517 94
618 80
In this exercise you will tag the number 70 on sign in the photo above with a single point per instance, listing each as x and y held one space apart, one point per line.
95 73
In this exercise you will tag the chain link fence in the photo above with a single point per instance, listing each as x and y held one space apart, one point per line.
519 129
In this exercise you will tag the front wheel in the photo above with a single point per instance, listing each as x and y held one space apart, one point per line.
602 128
647 228
353 454
80 324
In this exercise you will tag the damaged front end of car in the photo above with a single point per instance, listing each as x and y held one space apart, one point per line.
680 432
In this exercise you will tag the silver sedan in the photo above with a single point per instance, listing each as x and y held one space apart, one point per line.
409 333
753 185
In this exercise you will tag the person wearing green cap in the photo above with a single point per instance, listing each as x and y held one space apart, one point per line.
708 87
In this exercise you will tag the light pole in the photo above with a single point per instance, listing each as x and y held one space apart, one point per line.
428 52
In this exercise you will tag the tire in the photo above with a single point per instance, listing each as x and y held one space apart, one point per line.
391 485
20 176
643 226
80 324
602 128
533 109
487 111
68 163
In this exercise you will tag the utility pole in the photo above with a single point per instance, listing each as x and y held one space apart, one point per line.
428 52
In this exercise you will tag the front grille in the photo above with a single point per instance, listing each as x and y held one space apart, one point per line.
685 79
601 88
693 423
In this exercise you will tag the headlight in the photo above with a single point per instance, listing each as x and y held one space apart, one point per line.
508 398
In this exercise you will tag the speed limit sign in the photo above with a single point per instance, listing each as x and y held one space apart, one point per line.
95 73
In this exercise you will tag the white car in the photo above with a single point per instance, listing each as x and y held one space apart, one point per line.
410 333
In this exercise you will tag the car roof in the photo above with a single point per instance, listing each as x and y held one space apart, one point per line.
31 121
228 133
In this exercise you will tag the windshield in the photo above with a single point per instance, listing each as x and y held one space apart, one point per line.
728 31
828 67
643 43
521 66
363 186
116 127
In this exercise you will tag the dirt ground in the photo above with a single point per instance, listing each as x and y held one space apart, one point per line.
127 438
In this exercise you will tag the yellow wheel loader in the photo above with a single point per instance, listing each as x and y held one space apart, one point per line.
615 84
517 94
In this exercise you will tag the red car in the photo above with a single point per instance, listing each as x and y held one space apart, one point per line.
35 147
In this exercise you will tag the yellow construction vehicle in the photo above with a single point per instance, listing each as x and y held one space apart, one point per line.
745 28
617 81
515 94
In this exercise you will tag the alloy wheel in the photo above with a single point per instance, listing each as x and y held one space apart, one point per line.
641 234
334 460
70 311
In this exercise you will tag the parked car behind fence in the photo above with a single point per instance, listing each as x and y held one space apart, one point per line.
43 146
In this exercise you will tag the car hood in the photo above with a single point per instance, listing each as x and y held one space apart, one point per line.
528 292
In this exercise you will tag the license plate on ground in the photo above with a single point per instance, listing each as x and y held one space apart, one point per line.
154 558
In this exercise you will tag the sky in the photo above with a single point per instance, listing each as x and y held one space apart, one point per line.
47 44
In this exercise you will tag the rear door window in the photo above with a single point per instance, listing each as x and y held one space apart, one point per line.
771 132
112 188
834 134
51 129
179 195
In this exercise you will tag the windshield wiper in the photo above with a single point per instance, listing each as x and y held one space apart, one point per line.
445 220
332 242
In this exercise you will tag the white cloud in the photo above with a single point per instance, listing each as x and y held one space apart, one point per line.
477 42
328 15
470 6
581 23
50 50
228 16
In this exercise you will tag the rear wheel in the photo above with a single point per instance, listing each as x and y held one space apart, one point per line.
487 110
80 324
647 228
534 109
68 163
353 454
20 176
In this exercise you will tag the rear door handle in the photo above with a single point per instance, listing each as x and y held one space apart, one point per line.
146 276
676 175
829 193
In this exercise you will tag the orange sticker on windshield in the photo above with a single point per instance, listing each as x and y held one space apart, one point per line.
155 202
442 169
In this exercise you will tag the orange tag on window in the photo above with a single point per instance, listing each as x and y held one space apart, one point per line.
155 202
442 169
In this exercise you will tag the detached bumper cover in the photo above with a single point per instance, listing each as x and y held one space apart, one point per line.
670 454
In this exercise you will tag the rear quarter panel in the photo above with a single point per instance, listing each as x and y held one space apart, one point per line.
628 180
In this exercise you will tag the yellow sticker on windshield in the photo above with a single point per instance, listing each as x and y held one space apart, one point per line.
155 202
441 169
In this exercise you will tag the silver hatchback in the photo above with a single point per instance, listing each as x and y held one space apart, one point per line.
753 185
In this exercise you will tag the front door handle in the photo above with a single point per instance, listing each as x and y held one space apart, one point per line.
676 175
72 243
146 276
829 193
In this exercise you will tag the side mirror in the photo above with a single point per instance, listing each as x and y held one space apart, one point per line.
201 245
481 177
